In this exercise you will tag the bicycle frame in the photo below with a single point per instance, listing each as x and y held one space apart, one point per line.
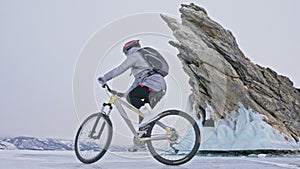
119 103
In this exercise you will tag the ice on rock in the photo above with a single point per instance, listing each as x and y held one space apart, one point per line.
245 129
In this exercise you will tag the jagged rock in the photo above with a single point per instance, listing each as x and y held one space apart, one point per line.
222 76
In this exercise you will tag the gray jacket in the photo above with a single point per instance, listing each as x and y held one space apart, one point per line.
139 69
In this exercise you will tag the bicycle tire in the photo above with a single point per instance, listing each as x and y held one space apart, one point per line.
192 132
93 148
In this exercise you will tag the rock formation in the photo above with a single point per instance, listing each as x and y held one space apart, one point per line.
222 76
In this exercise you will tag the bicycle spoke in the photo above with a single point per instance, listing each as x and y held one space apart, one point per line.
183 140
93 138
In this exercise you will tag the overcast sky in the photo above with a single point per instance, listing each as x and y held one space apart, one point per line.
41 40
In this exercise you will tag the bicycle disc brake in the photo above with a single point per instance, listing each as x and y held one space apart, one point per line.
173 136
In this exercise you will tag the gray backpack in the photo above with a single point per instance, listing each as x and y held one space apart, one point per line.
155 60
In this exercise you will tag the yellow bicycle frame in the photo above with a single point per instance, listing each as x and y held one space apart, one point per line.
118 102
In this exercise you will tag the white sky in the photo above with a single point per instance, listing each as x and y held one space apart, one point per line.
40 41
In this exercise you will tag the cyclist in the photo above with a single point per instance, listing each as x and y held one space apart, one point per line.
148 87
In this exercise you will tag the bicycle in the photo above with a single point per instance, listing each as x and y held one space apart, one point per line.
172 137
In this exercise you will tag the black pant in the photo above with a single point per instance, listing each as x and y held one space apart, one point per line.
139 96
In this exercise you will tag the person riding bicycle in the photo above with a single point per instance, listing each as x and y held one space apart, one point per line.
148 87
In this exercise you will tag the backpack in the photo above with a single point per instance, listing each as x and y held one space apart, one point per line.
155 60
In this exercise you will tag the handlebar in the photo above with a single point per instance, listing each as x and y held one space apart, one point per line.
107 87
113 91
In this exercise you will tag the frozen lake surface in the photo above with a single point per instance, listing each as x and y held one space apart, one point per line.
17 159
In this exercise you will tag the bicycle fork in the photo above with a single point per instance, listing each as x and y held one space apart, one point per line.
100 115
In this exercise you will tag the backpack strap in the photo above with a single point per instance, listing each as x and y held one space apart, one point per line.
152 72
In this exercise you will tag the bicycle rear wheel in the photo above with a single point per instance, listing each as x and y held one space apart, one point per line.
182 138
93 138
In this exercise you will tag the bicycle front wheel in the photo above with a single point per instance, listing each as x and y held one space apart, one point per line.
93 138
175 138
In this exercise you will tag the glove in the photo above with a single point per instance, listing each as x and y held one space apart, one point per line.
101 81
